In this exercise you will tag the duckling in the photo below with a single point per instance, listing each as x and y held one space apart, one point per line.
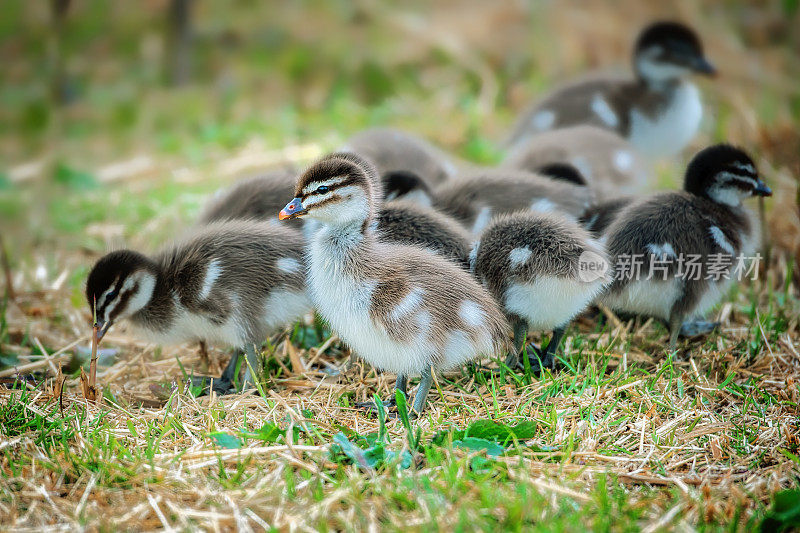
562 172
544 269
392 149
408 223
474 198
406 185
599 217
659 110
402 308
257 198
398 221
230 282
609 164
706 221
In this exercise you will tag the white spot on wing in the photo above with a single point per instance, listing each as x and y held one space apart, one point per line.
543 120
623 160
542 204
601 108
721 240
471 313
408 304
482 220
519 256
289 265
662 250
213 272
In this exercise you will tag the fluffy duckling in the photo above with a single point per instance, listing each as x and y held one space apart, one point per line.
257 198
473 199
229 282
392 150
609 164
706 221
544 269
659 110
401 308
408 223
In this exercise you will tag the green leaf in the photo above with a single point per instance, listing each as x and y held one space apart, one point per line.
270 432
352 451
488 429
785 512
225 440
475 444
491 430
402 411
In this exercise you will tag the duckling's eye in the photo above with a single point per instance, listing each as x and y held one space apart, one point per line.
111 295
322 189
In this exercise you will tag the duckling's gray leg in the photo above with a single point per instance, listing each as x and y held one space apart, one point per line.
520 332
252 360
401 384
552 347
423 389
675 322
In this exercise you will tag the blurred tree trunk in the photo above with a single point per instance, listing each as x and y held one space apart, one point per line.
179 46
59 83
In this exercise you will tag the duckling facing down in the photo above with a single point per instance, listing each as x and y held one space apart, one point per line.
229 282
475 198
609 164
532 265
688 243
255 198
401 308
408 223
396 150
659 111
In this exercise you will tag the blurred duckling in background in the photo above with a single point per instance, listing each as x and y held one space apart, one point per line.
256 198
232 282
658 111
392 150
609 164
534 264
476 197
399 307
706 221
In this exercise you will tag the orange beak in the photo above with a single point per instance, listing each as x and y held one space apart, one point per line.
293 209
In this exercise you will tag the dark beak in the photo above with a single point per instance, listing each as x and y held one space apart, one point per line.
293 209
102 328
702 66
762 189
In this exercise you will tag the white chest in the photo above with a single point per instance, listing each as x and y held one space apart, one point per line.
189 327
673 128
344 301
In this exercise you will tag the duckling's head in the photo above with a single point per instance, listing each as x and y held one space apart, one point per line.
120 284
724 174
667 51
406 185
562 172
339 189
